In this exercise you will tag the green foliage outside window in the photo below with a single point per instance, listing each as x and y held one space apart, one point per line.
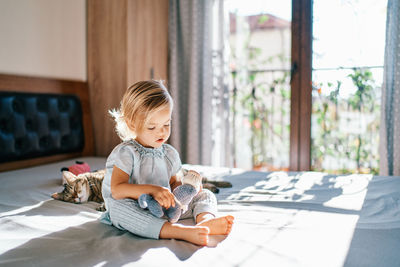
347 128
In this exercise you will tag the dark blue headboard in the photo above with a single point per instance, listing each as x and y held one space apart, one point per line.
43 120
36 125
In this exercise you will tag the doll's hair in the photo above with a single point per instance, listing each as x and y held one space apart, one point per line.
138 103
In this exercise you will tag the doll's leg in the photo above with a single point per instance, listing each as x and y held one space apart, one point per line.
203 202
126 214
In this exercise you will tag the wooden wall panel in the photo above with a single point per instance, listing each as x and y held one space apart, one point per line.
127 42
147 40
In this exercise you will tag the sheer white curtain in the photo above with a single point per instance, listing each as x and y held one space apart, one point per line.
222 151
390 113
196 81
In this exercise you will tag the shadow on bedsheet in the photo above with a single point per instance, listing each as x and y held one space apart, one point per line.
90 244
86 244
279 189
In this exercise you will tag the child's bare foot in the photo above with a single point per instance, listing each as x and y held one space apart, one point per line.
197 235
217 226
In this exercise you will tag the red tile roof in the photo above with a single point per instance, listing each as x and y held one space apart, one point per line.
260 22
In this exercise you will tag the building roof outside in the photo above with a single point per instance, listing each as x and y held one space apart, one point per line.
260 22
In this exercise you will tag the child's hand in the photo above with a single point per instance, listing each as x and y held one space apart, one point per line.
163 196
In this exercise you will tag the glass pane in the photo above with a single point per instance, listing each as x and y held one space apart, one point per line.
260 45
348 53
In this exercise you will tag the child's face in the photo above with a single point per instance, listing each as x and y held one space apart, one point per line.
156 130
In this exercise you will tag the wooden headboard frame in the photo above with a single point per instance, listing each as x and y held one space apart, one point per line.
26 84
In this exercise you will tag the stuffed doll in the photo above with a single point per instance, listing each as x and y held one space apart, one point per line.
191 184
77 168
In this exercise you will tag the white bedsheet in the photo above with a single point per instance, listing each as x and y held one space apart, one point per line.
281 219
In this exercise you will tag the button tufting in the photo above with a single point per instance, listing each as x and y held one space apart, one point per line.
17 106
44 142
65 141
21 145
63 105
34 125
5 125
42 105
29 125
53 124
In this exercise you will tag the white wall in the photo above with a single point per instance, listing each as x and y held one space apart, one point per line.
45 38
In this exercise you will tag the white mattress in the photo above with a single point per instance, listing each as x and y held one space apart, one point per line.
281 219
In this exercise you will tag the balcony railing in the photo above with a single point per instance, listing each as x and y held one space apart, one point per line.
345 119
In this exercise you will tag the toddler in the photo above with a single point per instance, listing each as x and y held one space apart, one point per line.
144 164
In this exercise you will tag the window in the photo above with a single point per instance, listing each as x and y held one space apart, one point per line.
259 62
305 81
348 53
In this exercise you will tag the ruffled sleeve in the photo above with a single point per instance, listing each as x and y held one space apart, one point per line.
123 157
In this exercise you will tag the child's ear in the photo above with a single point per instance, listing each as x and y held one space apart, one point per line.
130 125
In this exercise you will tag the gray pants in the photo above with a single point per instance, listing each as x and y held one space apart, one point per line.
125 214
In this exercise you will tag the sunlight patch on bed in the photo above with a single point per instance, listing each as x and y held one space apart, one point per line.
161 256
34 222
100 264
21 210
288 236
353 191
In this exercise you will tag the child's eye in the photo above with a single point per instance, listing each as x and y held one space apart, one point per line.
166 125
152 128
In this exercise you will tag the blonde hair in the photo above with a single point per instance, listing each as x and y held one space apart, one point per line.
139 101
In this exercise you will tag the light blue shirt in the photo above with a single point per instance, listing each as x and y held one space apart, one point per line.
143 165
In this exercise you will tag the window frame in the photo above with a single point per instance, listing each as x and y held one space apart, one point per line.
301 88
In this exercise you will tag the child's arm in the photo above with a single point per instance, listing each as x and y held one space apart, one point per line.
174 182
121 188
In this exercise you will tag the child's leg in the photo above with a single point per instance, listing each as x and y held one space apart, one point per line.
197 235
204 209
126 214
217 225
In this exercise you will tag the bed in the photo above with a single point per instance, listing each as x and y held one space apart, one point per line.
281 219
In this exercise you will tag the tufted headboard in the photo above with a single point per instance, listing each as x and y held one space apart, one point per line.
43 120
